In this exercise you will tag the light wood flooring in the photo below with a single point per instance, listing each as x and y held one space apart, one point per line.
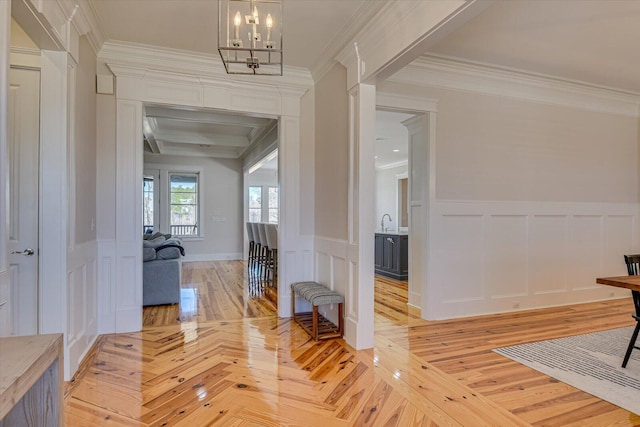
224 358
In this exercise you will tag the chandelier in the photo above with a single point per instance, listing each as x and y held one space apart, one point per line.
250 36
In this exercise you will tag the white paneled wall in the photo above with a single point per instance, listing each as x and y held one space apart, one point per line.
493 257
82 320
332 271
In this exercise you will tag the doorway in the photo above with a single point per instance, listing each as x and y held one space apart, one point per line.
193 194
392 214
261 211
23 217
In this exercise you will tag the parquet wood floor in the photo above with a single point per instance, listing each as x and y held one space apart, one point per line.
227 360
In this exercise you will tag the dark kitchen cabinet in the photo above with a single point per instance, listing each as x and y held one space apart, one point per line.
392 255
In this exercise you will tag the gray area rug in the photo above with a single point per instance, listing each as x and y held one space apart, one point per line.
589 362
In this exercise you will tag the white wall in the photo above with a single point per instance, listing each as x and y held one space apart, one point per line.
332 154
534 199
332 186
221 216
386 195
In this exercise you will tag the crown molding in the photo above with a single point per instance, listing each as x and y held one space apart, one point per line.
375 29
365 13
89 19
394 101
84 20
453 73
121 55
393 165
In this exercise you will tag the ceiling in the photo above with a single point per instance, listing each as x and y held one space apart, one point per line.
193 132
309 26
590 41
392 139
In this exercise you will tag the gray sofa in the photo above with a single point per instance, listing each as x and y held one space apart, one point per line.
161 269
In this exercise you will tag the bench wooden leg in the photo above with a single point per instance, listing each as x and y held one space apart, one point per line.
340 320
315 322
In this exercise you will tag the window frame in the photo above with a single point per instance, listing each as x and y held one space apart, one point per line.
196 205
249 208
163 195
277 207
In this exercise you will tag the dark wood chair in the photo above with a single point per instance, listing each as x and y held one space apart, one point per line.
633 269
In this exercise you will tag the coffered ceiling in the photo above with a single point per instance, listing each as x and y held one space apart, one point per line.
201 133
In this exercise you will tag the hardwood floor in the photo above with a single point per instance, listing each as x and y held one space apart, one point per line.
212 291
224 358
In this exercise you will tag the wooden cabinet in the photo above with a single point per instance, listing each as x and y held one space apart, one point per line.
392 255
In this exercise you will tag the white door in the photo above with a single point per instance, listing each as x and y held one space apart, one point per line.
24 143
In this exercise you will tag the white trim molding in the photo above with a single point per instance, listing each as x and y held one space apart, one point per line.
5 38
393 165
450 73
399 33
180 64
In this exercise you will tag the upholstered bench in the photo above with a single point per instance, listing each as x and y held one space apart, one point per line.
314 323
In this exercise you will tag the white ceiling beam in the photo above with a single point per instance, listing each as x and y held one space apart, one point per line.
196 151
202 139
206 117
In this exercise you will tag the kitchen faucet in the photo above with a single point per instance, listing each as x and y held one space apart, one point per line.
382 221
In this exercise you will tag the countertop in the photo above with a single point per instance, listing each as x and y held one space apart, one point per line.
393 233
22 361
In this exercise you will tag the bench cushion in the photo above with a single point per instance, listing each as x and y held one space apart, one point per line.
316 293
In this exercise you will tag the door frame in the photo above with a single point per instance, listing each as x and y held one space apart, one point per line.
29 60
56 67
134 89
425 110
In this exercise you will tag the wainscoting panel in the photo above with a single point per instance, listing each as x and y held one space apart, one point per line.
461 258
106 286
585 250
82 294
332 271
619 237
491 257
299 268
506 256
548 254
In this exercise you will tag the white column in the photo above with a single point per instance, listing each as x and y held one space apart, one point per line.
360 257
53 192
418 205
129 163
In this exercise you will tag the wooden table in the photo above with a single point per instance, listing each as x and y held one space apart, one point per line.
632 283
628 282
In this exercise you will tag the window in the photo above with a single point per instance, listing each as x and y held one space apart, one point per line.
183 196
255 204
273 205
147 204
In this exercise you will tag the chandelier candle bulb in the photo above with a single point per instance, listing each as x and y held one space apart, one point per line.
269 23
236 23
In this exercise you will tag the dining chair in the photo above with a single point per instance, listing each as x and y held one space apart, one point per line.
264 252
633 268
257 250
252 242
272 242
